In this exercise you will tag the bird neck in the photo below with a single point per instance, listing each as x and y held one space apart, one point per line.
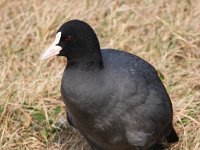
92 61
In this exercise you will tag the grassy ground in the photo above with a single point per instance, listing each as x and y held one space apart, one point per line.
164 32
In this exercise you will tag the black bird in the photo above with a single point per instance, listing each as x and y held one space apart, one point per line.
115 99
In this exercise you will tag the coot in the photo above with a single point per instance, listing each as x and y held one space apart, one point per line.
115 99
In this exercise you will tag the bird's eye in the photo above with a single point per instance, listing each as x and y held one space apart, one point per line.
68 38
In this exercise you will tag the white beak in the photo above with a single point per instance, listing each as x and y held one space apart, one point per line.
53 50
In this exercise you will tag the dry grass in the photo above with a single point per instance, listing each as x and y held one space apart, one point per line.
163 32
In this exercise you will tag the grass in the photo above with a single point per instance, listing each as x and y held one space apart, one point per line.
165 33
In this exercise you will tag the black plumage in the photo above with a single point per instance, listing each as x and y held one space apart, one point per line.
115 99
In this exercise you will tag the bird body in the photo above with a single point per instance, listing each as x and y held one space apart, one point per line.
125 114
115 99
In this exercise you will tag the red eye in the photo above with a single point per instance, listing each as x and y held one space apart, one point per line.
68 38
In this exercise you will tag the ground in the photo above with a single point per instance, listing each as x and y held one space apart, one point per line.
166 33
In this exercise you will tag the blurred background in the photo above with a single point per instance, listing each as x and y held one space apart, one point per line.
166 33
